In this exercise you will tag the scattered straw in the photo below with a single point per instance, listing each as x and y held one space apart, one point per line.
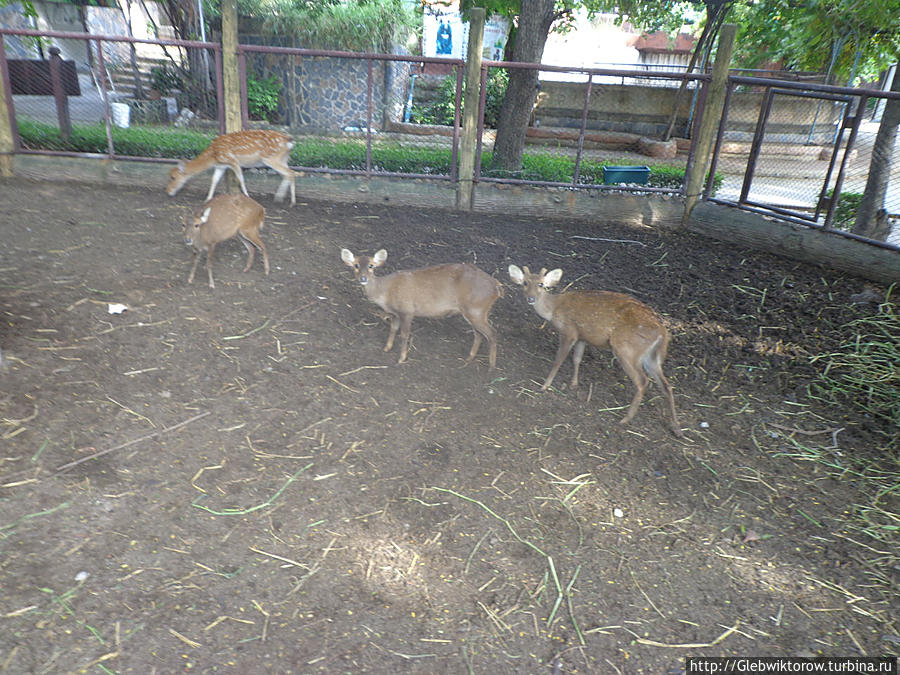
242 512
248 333
97 661
65 467
185 640
689 645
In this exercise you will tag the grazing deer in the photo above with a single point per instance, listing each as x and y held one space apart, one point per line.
257 147
221 219
432 292
630 328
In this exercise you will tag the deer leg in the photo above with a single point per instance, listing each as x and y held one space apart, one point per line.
490 335
476 345
194 266
395 324
654 370
492 352
238 172
482 329
217 176
577 355
640 382
250 250
287 179
670 398
209 259
565 344
405 324
282 190
254 238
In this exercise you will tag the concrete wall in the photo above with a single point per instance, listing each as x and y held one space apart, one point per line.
633 109
645 110
724 223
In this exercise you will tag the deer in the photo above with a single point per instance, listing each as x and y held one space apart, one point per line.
431 292
621 322
256 147
223 218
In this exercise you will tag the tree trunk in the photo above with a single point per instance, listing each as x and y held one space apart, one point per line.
870 222
535 19
713 25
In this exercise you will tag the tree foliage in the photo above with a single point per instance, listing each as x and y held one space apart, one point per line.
848 38
27 7
354 25
533 20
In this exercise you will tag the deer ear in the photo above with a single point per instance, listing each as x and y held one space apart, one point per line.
552 278
205 215
379 257
347 257
516 274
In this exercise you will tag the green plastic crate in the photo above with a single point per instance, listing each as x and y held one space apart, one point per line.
625 174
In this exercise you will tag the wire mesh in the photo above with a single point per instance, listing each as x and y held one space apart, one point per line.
785 150
135 99
584 122
400 115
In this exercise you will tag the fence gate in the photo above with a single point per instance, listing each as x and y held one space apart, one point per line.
797 172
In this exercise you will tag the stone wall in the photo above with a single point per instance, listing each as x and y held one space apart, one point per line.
329 94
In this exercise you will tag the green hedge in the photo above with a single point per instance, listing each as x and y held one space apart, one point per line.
343 153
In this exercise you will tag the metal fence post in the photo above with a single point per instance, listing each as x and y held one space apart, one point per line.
465 187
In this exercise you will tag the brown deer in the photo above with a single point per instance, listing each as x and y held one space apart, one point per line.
601 318
256 147
221 219
432 292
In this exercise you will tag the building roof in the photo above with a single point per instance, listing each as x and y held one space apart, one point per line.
660 42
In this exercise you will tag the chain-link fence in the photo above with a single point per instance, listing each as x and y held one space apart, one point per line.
122 97
153 99
797 150
590 128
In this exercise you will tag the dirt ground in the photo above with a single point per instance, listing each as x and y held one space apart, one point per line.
241 480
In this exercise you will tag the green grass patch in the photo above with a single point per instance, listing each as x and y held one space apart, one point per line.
327 153
864 371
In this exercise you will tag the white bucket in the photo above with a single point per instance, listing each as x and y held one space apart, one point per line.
121 114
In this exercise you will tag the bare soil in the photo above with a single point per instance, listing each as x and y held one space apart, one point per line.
241 480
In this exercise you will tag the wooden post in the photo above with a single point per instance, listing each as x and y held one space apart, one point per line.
59 94
712 117
7 144
231 81
471 97
230 78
